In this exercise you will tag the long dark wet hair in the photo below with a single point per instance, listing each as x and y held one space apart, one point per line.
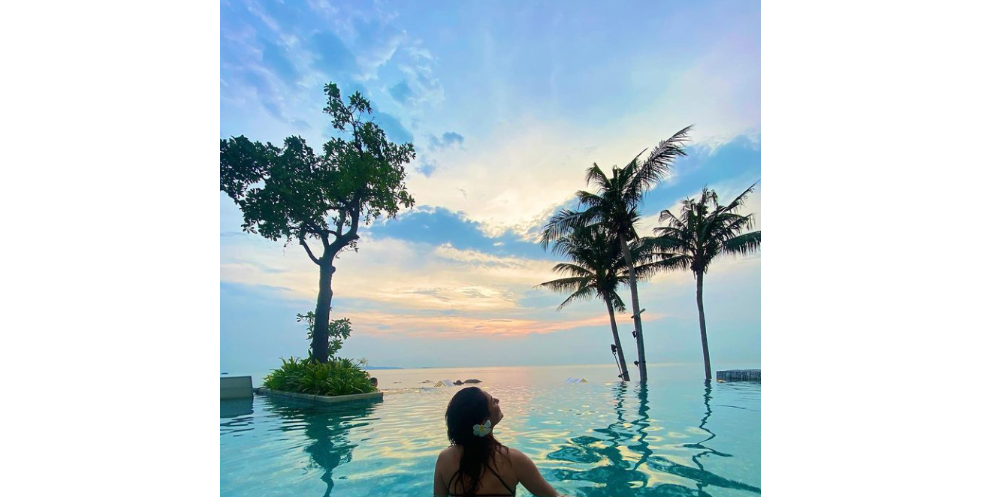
469 407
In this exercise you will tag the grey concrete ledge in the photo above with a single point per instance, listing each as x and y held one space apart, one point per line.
236 387
322 399
740 375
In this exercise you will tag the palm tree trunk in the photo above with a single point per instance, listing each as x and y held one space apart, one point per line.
704 331
635 303
617 342
319 340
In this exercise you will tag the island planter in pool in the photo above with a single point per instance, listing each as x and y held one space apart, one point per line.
322 400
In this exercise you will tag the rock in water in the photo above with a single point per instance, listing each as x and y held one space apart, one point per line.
457 382
473 380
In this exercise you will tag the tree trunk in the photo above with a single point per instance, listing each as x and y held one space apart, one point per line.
319 341
704 331
617 343
638 310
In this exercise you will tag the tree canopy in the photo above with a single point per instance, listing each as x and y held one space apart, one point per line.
702 231
290 192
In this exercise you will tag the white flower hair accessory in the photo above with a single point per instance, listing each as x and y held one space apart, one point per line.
482 430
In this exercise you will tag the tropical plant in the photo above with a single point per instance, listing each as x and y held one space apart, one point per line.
615 205
597 268
702 231
338 331
337 376
289 192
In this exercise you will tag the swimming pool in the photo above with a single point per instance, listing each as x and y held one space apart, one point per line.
600 438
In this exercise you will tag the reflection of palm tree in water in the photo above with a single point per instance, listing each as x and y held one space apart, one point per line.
327 430
700 445
642 447
621 478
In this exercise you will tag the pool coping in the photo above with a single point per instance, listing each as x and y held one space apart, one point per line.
321 399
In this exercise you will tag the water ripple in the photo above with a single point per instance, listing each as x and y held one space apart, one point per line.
595 439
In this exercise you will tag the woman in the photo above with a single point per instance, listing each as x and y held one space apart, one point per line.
476 464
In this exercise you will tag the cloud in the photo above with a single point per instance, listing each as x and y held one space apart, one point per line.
391 272
427 167
513 180
425 88
461 327
517 176
448 139
393 128
300 124
438 226
331 56
401 92
375 44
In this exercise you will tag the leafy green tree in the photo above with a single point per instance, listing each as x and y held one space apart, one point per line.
597 269
703 231
615 205
289 192
339 330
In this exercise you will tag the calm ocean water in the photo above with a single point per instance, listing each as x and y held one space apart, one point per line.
599 438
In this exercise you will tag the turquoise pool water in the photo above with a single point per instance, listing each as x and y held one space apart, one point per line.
600 438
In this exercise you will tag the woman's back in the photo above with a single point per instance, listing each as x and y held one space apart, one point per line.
476 463
498 478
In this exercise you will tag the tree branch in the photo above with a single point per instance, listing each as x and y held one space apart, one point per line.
340 224
319 232
308 249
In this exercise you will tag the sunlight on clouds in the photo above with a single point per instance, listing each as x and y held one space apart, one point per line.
425 291
516 178
440 326
389 271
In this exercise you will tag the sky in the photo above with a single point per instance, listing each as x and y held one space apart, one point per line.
507 103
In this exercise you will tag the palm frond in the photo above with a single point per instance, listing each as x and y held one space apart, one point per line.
703 230
670 262
562 223
667 217
565 284
573 269
734 205
588 199
743 244
657 165
581 294
615 301
595 174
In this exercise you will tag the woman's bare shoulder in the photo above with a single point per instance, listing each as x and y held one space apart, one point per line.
516 456
449 454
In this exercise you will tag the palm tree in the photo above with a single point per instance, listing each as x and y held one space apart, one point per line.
703 231
597 268
615 206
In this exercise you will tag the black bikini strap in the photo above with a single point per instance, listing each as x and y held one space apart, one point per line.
449 488
509 489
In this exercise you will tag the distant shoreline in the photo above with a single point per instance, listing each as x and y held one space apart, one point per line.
730 365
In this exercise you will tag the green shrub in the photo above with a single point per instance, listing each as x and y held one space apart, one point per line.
335 377
338 331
